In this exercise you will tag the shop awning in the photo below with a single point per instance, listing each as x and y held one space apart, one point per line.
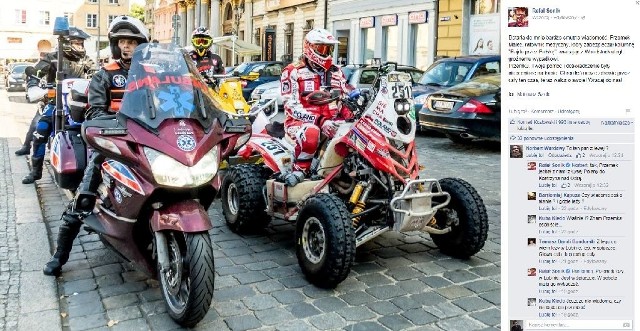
240 47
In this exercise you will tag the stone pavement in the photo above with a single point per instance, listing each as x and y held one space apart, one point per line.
399 282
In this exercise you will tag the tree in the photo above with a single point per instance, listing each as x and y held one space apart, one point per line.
137 11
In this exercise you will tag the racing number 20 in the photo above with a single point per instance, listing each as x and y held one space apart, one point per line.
401 91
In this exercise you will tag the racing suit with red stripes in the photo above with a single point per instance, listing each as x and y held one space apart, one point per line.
303 121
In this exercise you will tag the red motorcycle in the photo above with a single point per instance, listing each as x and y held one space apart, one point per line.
162 150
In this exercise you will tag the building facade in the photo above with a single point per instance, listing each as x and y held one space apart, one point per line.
26 27
402 31
468 27
94 17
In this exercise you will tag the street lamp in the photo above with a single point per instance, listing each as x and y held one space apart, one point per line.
98 46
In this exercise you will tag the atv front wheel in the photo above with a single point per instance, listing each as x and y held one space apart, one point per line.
467 216
325 240
243 203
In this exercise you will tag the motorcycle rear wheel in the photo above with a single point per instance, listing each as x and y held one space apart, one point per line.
187 287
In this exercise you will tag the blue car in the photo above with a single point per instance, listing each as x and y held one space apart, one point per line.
451 71
257 73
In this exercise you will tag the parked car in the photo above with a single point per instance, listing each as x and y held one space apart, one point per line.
14 79
269 90
467 111
362 76
256 73
450 71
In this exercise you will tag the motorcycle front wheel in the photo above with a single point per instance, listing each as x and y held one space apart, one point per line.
187 286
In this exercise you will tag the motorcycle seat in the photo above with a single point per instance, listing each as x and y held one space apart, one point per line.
275 129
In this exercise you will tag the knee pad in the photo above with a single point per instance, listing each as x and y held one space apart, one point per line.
43 131
307 139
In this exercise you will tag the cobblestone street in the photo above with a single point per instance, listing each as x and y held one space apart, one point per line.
399 282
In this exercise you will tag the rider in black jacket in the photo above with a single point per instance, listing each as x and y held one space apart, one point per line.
76 64
207 62
105 94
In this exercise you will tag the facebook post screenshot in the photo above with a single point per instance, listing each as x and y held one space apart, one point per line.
571 77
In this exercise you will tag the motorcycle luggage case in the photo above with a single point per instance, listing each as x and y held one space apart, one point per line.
68 159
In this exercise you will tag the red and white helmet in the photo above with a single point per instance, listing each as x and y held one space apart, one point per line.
318 47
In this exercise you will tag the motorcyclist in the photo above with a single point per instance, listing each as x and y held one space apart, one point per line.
207 62
76 65
304 122
105 94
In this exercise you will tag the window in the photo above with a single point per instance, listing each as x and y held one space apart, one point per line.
368 44
390 43
92 20
420 41
44 18
21 16
288 40
113 2
69 17
111 18
93 1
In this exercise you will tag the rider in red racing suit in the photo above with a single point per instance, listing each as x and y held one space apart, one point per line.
304 122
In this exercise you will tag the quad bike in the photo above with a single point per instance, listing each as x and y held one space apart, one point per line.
364 182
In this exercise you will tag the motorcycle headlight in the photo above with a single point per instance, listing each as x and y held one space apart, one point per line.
167 171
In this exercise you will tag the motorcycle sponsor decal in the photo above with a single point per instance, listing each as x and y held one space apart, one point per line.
186 143
380 107
371 146
117 195
119 81
365 126
306 117
383 82
172 99
153 82
183 129
121 173
124 192
55 154
309 86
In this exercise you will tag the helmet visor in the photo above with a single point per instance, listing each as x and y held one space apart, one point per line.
201 41
323 49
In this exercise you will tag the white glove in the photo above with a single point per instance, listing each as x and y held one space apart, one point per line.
330 127
35 93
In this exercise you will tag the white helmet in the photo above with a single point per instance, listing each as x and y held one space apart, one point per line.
318 48
126 27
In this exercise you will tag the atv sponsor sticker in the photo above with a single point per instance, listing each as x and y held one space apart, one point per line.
183 129
307 117
117 195
309 86
186 143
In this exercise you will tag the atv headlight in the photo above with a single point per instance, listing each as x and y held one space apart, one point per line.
167 171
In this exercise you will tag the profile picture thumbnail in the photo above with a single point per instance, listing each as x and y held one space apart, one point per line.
515 151
531 195
532 165
531 218
518 17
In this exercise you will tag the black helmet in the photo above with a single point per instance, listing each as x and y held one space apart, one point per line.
71 52
201 40
126 27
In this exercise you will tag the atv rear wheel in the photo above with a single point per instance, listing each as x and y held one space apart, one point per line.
243 204
325 240
467 216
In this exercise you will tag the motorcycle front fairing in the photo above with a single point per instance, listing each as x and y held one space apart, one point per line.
166 133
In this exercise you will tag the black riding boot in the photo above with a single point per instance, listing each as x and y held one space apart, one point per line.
36 171
66 234
86 193
25 149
